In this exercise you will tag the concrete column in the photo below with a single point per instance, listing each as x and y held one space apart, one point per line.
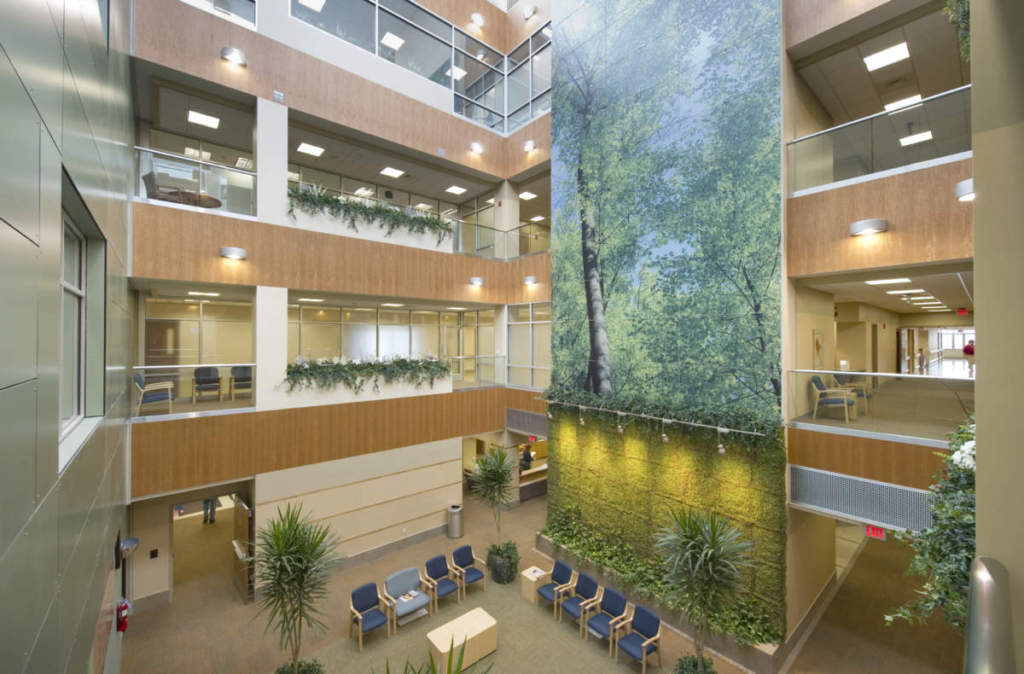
271 162
270 327
506 218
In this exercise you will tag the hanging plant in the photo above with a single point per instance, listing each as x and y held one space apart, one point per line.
327 374
959 14
314 200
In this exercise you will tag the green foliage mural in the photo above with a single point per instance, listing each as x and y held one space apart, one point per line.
666 236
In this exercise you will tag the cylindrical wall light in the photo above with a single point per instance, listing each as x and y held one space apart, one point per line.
233 55
530 280
965 190
476 280
869 226
233 252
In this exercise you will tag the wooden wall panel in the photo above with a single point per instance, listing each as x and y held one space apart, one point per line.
517 160
183 453
175 244
882 460
187 39
926 223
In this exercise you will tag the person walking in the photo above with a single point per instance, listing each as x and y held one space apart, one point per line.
969 355
209 510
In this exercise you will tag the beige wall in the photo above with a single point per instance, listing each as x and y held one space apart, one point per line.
151 524
853 336
810 562
813 310
998 120
936 320
370 500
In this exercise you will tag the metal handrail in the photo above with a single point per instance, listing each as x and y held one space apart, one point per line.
989 625
182 157
895 375
884 113
168 367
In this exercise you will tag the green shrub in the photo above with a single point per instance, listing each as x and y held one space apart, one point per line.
355 375
503 561
688 664
305 667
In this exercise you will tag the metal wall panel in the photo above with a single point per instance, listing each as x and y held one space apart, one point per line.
888 505
18 279
19 147
17 460
28 36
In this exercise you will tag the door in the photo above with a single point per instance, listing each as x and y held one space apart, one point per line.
242 541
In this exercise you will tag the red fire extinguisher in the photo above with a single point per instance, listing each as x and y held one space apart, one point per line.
122 615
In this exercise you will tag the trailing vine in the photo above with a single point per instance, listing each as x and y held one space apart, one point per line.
314 200
327 374
959 14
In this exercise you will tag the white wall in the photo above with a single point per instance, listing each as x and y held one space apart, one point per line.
271 162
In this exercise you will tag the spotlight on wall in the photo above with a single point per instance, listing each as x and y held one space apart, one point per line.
619 426
965 190
476 147
476 280
664 435
530 280
234 56
128 545
868 227
530 146
233 252
721 447
477 19
550 415
582 422
529 11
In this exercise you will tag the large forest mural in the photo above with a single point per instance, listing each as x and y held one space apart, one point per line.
666 279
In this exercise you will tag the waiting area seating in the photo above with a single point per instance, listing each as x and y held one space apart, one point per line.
832 397
367 615
240 381
154 392
205 380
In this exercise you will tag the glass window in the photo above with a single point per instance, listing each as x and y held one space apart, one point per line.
541 71
393 197
351 20
541 37
542 104
72 372
425 334
519 55
320 340
529 345
359 333
414 49
519 118
478 113
478 49
420 17
519 87
519 313
394 334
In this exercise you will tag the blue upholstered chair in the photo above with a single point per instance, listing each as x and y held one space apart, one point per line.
153 393
406 592
441 579
641 639
562 578
581 596
204 380
832 397
241 380
463 562
366 611
860 390
611 614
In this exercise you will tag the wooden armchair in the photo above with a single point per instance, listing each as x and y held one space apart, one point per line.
642 638
365 608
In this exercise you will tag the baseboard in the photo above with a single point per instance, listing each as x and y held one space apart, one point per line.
377 552
152 601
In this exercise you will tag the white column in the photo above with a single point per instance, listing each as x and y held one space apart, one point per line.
506 218
271 162
270 328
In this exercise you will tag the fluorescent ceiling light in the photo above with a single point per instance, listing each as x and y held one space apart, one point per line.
455 189
196 154
364 192
310 149
203 120
943 310
904 292
459 73
244 163
294 176
392 41
422 206
888 56
923 299
391 304
456 308
491 200
931 302
526 196
887 281
310 299
198 293
392 172
315 5
915 138
537 218
903 102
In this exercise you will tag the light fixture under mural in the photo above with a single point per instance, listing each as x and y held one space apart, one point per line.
476 147
965 190
476 280
619 426
530 280
869 226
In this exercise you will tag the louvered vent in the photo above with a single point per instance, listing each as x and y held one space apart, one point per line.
529 423
887 505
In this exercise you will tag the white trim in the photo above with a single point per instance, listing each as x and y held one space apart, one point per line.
878 175
869 435
227 16
75 439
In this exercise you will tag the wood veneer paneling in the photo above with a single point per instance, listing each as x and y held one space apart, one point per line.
176 244
882 460
926 223
183 453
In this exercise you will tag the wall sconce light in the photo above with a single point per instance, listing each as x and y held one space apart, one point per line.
530 280
965 190
869 226
233 252
477 19
476 148
530 146
234 56
529 11
128 545
476 280
619 426
582 422
664 435
721 447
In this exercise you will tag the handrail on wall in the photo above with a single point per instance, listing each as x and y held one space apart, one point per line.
989 626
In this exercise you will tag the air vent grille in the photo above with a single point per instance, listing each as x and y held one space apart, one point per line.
887 505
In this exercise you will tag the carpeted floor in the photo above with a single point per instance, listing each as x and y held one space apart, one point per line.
852 637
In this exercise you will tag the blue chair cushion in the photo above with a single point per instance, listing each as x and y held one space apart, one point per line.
463 556
416 603
445 587
207 387
437 567
155 396
473 574
573 606
835 401
561 573
632 644
601 623
548 591
372 619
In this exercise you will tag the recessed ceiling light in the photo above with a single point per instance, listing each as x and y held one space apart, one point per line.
315 5
930 302
477 19
198 293
310 149
888 56
196 154
915 138
459 73
904 292
903 102
943 309
923 299
364 192
476 147
537 218
887 281
391 304
392 172
456 190
423 206
476 280
243 163
491 200
526 196
310 299
530 146
392 41
203 120
455 308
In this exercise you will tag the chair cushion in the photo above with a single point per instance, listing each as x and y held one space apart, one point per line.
473 574
835 401
207 387
613 602
402 581
405 607
586 586
446 586
632 645
572 606
372 619
365 597
645 622
437 567
155 396
547 591
561 573
601 623
463 556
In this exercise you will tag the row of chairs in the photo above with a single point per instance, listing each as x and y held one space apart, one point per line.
205 380
604 612
410 590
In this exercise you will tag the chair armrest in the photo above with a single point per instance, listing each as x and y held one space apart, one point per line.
430 583
841 391
158 386
618 621
590 603
481 562
388 599
459 570
358 616
648 642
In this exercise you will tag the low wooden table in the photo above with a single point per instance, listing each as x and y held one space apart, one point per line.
530 579
476 629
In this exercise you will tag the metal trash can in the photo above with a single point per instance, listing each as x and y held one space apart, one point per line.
455 521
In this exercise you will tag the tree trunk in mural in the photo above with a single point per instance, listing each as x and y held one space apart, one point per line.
755 304
599 370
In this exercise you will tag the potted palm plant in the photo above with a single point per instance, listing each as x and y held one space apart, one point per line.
495 480
703 558
293 560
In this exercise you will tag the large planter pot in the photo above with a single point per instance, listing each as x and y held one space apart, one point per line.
503 561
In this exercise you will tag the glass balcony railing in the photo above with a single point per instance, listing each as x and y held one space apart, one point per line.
171 178
477 371
178 389
919 406
935 127
237 10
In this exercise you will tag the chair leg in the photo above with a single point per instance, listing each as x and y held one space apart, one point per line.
643 662
360 639
659 657
815 409
846 410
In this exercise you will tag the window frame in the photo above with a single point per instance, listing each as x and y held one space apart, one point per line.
67 425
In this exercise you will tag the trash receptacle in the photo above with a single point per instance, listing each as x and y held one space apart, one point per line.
455 521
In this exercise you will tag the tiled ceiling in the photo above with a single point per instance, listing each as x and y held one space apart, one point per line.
954 288
848 91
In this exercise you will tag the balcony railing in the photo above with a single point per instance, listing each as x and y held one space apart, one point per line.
918 406
938 126
171 178
235 10
477 371
160 390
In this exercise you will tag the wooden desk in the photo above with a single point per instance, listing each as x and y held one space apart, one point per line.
530 579
476 629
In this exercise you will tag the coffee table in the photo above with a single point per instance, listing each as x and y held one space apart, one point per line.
476 629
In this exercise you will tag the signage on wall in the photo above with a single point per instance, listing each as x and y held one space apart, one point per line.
533 438
871 531
961 312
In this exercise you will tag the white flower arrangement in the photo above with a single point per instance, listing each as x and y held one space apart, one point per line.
964 456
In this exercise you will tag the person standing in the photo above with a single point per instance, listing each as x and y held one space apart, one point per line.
209 510
969 355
